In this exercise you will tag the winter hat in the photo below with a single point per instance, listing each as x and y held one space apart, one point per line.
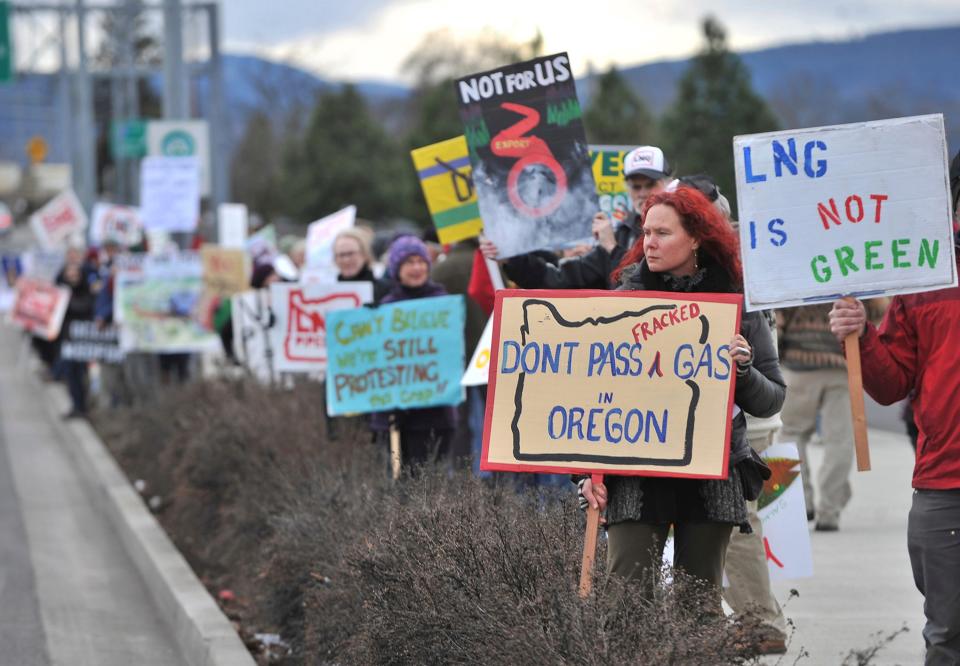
646 161
402 249
260 275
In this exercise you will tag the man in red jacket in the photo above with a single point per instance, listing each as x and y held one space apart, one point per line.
915 350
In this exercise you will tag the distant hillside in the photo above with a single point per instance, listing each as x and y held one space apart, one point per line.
885 75
818 83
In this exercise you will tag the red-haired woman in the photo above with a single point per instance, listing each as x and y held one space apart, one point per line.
689 247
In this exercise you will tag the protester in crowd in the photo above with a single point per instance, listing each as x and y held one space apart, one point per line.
425 434
689 247
454 274
815 371
354 261
79 276
913 354
748 592
646 171
112 376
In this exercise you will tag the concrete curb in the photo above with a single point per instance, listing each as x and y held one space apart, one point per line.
201 630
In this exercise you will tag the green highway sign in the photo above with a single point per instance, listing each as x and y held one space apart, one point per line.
6 45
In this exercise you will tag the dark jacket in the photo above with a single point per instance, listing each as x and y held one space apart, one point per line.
453 273
427 418
760 392
82 296
591 271
381 286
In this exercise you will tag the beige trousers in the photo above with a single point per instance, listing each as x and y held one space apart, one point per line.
746 565
824 393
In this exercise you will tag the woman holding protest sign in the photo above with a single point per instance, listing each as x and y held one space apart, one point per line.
425 433
689 247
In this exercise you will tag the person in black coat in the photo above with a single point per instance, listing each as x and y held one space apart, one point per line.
81 278
646 172
689 247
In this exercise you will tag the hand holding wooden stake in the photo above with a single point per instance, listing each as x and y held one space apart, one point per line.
847 321
595 505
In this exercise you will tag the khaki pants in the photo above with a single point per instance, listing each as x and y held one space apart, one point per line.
746 567
822 392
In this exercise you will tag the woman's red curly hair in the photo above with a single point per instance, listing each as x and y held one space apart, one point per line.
701 220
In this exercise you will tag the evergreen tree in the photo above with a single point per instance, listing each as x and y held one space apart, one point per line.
715 102
616 114
345 157
255 168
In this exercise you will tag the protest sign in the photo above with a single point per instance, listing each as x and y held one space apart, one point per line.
60 219
786 537
226 271
12 267
232 225
531 163
43 265
169 193
636 383
607 165
156 305
262 246
397 356
252 320
320 237
299 335
478 370
182 138
116 223
39 307
861 209
447 181
85 341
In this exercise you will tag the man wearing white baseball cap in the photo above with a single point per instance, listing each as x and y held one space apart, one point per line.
646 172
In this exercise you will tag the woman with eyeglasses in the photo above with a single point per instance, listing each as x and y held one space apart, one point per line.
353 258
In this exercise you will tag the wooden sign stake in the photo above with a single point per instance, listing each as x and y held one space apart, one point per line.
590 544
855 384
394 451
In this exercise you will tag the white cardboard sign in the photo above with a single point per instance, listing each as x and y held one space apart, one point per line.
299 333
478 371
320 237
860 209
60 219
170 193
786 537
232 225
118 223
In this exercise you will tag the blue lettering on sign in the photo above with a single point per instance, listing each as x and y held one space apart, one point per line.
785 158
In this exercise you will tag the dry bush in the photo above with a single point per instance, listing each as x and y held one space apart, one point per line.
352 568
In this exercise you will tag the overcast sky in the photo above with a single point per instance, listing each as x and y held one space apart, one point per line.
370 38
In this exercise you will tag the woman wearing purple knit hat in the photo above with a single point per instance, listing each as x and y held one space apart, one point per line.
425 434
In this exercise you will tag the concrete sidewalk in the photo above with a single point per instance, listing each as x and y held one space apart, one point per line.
862 584
74 592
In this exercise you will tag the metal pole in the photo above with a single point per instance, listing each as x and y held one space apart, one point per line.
174 79
66 117
130 81
86 133
216 116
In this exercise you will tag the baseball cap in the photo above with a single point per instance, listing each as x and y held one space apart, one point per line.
646 161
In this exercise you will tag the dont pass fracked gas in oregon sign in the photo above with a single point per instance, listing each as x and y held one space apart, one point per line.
611 382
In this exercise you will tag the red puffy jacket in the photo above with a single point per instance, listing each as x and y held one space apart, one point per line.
915 350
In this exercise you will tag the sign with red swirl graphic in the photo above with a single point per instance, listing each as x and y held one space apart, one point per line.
531 161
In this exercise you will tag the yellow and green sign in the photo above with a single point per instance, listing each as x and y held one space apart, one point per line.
447 181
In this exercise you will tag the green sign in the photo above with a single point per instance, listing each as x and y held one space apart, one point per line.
6 46
178 143
128 138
